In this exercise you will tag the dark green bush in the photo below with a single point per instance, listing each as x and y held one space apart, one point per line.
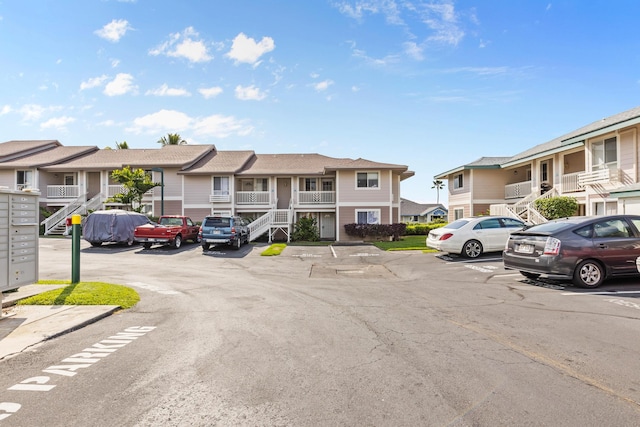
306 229
423 228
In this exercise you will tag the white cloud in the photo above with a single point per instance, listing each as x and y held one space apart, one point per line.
210 92
249 93
31 112
414 51
59 123
443 20
114 30
93 82
6 109
115 63
219 126
323 85
164 121
184 45
122 84
165 90
246 50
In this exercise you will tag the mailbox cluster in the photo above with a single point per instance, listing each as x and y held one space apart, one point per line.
19 214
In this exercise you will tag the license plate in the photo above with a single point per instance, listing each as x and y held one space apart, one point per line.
524 249
217 232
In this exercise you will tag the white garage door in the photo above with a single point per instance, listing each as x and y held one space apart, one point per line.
632 206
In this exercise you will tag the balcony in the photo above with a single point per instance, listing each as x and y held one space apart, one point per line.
517 190
600 176
252 198
220 197
63 191
571 182
316 197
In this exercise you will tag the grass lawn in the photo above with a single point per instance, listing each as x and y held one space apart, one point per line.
84 293
413 242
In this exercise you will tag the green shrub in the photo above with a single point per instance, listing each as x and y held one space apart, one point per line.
423 229
557 207
306 229
376 230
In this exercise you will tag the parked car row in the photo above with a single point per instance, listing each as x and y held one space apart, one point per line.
125 227
585 250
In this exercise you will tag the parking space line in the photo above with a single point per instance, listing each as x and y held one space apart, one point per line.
333 251
601 293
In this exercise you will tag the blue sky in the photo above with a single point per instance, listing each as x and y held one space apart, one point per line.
427 84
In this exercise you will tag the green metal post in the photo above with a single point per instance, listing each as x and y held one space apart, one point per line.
75 248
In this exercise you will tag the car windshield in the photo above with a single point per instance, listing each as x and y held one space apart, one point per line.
459 223
170 221
217 222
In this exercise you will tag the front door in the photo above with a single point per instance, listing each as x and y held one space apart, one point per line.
284 193
328 226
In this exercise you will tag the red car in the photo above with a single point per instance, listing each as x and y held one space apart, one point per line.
170 230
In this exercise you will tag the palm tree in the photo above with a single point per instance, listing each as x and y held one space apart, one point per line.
122 145
172 139
438 185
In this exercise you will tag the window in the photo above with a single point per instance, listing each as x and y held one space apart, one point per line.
488 223
310 184
69 179
327 185
367 179
458 213
262 184
544 171
512 223
221 185
24 179
368 216
604 154
457 181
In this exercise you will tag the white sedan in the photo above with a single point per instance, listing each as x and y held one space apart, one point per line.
473 236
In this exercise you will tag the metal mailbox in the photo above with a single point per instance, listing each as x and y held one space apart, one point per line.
19 214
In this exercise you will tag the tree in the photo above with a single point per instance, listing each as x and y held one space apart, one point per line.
172 139
438 185
122 145
136 182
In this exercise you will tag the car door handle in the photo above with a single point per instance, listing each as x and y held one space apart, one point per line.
602 246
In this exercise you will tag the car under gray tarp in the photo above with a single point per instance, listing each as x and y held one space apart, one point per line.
113 225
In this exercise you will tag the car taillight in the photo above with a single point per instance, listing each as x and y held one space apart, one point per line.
233 230
552 246
445 236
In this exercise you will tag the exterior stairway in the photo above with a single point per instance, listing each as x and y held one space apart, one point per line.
56 224
524 209
271 222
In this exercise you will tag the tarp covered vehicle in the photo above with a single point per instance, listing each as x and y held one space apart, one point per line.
113 225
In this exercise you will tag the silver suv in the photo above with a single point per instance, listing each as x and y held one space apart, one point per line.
224 230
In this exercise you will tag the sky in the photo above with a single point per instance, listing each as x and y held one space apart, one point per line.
432 85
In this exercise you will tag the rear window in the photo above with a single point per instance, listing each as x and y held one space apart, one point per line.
459 223
549 227
217 222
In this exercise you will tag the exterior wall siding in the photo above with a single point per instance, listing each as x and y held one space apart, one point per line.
627 157
489 184
197 189
171 207
197 214
348 192
7 179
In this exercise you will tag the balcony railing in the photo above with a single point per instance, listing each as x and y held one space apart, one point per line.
571 182
517 190
316 197
112 190
600 176
252 197
220 197
63 191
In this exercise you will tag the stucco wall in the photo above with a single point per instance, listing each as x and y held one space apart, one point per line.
347 191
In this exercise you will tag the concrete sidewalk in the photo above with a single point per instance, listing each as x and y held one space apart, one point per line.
23 326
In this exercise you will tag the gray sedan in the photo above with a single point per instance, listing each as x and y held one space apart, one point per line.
586 250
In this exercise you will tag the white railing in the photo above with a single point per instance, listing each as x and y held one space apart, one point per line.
316 197
571 182
112 190
62 191
595 177
259 226
62 214
220 197
252 197
517 190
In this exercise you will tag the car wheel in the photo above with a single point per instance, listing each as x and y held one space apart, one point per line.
96 244
589 274
147 245
205 246
197 239
532 276
472 249
238 243
177 242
